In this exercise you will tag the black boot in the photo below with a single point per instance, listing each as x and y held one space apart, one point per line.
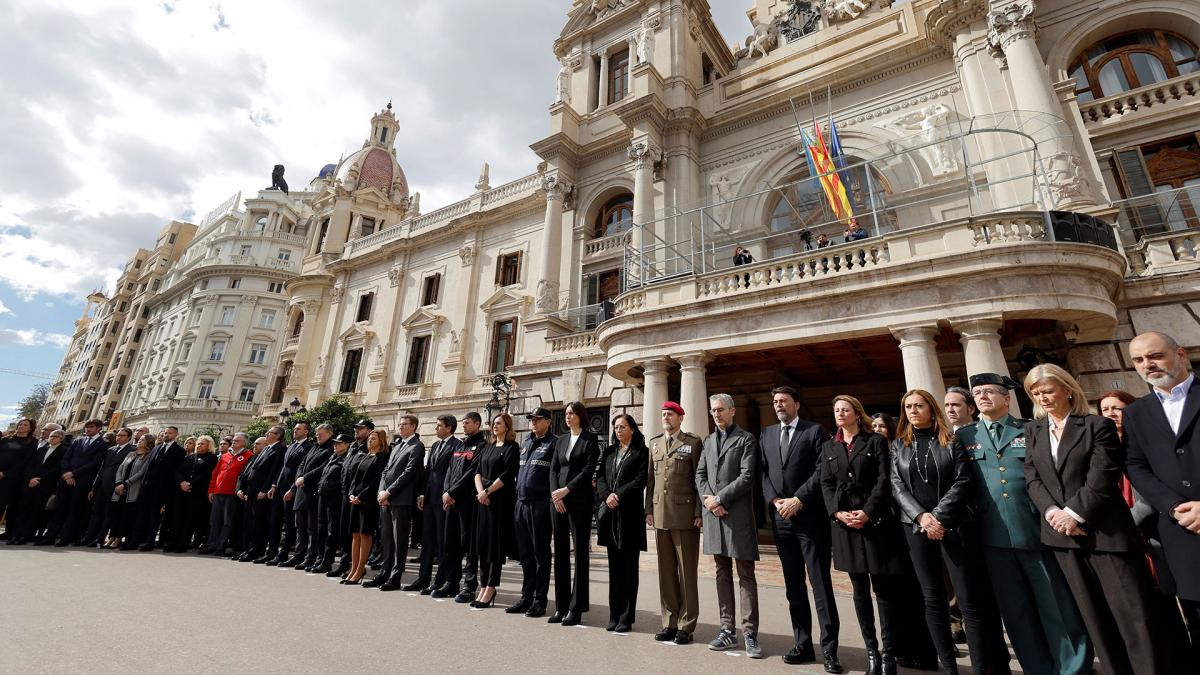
874 663
889 663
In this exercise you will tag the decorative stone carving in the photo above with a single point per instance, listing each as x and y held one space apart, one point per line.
1066 177
555 187
212 300
645 43
844 10
467 253
641 152
396 275
335 294
602 8
764 39
249 300
801 18
1008 23
380 355
563 83
547 296
930 122
723 189
414 205
575 61
482 185
456 340
320 367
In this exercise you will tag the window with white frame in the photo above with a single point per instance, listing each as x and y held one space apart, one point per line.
266 318
185 351
228 312
206 389
284 254
217 351
246 249
275 286
235 283
258 353
246 394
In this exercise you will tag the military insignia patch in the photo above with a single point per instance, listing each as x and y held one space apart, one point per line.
1018 442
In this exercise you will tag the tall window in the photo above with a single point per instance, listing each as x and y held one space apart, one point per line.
365 301
430 288
1131 60
349 381
368 226
195 320
235 283
217 352
298 326
321 236
228 312
185 351
206 389
275 286
266 318
418 354
246 394
618 76
245 250
284 254
260 223
258 354
504 345
1169 168
616 216
508 269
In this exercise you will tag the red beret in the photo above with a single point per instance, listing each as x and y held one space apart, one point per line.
673 407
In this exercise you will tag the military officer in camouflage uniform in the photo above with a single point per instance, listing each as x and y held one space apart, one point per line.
1039 612
673 510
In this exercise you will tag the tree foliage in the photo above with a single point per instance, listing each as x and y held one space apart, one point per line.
35 402
336 411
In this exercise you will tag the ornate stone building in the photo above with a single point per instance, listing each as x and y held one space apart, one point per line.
1026 173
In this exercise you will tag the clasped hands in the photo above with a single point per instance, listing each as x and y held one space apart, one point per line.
714 506
1063 523
855 520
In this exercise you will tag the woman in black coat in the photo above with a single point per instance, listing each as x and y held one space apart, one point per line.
855 466
572 496
192 510
495 494
1073 473
15 451
363 486
621 518
931 485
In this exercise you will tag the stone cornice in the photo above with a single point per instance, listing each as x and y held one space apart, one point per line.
949 17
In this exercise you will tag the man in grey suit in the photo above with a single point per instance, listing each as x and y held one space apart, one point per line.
398 489
725 480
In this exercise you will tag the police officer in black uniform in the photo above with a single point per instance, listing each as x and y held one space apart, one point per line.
306 500
283 494
532 517
356 453
331 535
459 502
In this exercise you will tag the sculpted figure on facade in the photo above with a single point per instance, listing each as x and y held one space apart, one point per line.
1067 178
844 10
466 253
482 185
930 122
645 43
456 340
414 205
547 296
801 18
335 294
563 84
395 275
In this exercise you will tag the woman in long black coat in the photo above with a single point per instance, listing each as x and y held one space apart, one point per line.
621 518
192 510
855 466
361 492
16 449
496 495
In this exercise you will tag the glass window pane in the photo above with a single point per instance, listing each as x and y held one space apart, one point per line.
1148 68
1180 50
1112 78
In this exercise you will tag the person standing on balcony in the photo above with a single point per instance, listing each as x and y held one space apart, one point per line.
742 257
790 455
854 231
673 510
572 498
725 480
1039 613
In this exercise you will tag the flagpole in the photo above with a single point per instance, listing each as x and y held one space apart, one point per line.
813 111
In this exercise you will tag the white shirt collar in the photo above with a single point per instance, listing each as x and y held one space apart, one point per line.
1178 391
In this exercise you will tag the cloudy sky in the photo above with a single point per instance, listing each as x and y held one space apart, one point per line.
121 115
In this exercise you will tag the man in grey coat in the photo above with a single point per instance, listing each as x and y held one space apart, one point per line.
725 479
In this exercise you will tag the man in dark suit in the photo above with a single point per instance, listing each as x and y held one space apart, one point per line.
1163 460
305 497
158 487
283 495
398 488
106 480
789 454
253 484
273 505
42 473
429 503
329 509
459 501
80 464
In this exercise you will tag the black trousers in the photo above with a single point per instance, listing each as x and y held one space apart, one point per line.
332 537
885 586
152 503
489 572
571 528
433 543
622 585
909 630
255 521
532 531
275 518
190 516
963 561
808 547
459 558
1125 634
395 524
111 527
287 520
70 510
33 508
101 503
1191 617
307 523
10 501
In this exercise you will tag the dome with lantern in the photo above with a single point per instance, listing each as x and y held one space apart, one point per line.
375 165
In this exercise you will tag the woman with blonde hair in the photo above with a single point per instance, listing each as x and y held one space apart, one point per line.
364 508
1073 473
189 445
495 482
932 484
192 509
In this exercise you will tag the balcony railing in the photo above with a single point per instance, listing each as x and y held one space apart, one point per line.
575 342
1160 254
612 244
1110 108
1151 215
582 318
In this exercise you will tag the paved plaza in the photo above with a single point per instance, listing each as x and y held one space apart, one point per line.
74 609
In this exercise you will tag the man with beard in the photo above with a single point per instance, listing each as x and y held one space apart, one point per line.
459 501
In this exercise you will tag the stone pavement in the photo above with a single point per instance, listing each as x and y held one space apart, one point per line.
72 609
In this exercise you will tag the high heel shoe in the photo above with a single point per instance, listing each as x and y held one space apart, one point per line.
476 604
351 582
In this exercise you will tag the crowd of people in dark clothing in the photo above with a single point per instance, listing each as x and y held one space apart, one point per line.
1075 534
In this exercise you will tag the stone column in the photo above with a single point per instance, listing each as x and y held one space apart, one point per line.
632 62
693 392
602 95
641 238
922 370
547 288
981 349
654 394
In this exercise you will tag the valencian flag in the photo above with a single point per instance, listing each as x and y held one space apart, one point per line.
822 162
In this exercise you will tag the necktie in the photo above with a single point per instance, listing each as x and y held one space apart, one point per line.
785 442
994 429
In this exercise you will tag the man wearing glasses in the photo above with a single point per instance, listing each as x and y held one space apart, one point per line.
1035 602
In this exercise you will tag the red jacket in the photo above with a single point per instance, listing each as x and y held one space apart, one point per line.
225 473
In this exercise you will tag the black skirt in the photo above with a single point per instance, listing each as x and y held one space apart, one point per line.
364 518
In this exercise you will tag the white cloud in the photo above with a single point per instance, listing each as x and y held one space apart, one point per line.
4 309
32 338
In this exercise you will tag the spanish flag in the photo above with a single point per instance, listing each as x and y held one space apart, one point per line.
831 182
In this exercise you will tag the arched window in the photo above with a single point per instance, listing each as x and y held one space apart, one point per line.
615 217
800 207
1131 60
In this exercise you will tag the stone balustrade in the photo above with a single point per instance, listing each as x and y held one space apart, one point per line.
575 342
1165 253
604 246
1117 106
793 269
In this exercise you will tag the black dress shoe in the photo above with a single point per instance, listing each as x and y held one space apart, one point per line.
389 585
303 565
355 582
538 610
832 665
89 542
612 625
16 541
874 663
322 569
375 581
623 628
519 608
262 560
290 562
273 562
442 592
60 543
427 590
572 619
683 638
464 597
797 656
146 547
556 617
666 635
415 586
338 572
889 663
